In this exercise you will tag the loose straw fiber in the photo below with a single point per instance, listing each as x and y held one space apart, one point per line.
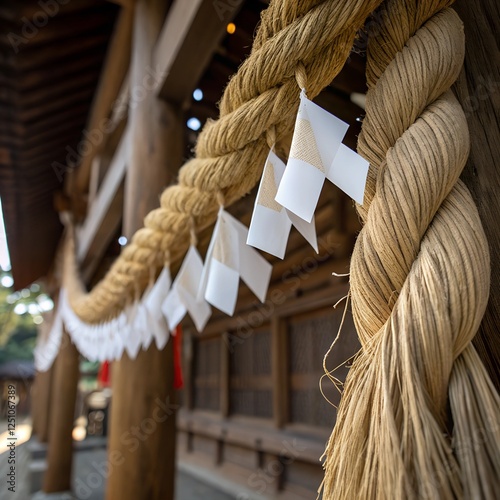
306 41
419 417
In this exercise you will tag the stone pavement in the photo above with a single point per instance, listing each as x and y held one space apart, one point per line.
22 474
89 483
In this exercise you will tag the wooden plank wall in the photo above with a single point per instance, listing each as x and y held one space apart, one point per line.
478 90
252 408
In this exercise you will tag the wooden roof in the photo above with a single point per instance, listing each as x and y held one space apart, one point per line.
50 64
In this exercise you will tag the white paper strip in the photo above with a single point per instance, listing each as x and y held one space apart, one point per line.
49 341
306 229
173 308
271 223
223 264
185 288
222 287
349 172
133 343
153 303
159 330
144 326
228 259
158 292
316 140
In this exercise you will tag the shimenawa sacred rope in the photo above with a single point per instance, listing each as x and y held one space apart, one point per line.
419 416
309 37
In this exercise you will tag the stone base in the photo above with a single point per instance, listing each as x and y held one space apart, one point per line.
37 470
37 450
63 495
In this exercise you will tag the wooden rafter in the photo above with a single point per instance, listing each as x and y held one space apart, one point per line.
188 39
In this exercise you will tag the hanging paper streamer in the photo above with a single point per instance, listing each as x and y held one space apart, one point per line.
135 326
271 222
228 259
349 172
317 153
153 300
183 298
49 341
133 329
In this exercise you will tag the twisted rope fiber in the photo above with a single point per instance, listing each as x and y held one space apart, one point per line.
295 39
419 417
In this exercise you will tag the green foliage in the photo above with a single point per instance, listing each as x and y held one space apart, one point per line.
8 320
18 331
20 344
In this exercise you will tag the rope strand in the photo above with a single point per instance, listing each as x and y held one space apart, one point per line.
419 281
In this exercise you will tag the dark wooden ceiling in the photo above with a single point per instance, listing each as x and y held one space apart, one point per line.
50 64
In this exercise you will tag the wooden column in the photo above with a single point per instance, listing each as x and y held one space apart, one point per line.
478 90
156 137
62 413
143 412
41 394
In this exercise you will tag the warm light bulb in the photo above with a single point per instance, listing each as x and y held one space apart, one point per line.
79 433
231 28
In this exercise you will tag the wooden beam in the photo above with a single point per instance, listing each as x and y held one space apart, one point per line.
110 225
120 106
95 170
114 71
86 234
189 37
123 3
478 90
109 177
156 127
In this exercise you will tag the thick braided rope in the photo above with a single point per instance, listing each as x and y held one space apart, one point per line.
419 416
295 39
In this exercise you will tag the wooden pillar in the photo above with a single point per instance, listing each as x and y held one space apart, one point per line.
41 394
62 413
478 90
142 428
157 139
